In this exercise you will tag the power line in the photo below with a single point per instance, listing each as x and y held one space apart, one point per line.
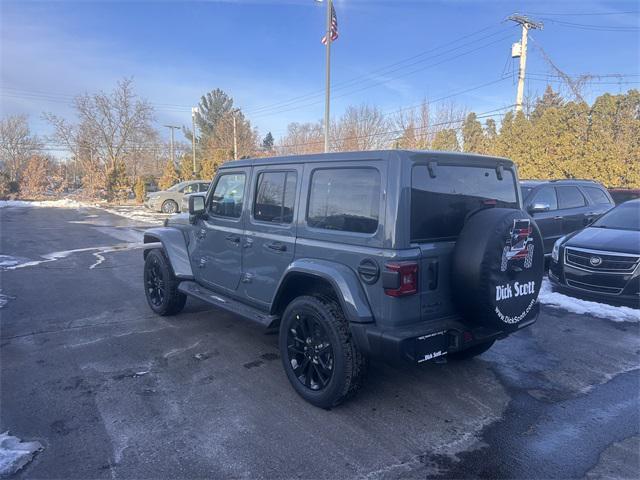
600 28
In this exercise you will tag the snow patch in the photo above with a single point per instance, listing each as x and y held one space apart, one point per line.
15 454
63 203
576 305
4 299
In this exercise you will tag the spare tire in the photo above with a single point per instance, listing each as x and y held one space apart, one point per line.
497 268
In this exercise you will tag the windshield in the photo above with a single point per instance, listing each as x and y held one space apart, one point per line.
526 191
175 187
442 199
623 217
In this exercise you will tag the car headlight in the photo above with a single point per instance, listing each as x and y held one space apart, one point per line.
555 253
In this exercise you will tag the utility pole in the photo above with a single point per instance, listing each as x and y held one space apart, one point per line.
194 110
526 24
327 100
235 136
173 128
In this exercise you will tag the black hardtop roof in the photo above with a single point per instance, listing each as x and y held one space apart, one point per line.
363 156
569 181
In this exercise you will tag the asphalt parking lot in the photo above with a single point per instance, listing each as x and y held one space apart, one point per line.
113 391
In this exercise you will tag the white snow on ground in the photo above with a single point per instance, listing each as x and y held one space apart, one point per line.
15 454
576 305
97 252
8 261
64 203
133 212
4 299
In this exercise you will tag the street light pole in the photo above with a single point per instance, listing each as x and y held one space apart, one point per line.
194 110
327 100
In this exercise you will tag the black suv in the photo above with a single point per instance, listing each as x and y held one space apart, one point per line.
399 255
561 207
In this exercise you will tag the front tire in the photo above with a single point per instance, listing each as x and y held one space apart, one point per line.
161 285
169 206
319 356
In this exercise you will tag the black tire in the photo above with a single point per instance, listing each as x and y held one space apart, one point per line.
472 351
161 285
169 206
324 375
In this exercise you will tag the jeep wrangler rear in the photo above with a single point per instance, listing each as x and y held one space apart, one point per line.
406 256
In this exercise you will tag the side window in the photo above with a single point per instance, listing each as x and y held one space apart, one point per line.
193 188
570 197
227 196
275 197
344 199
546 195
597 196
204 187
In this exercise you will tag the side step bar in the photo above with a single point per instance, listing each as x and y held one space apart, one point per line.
217 300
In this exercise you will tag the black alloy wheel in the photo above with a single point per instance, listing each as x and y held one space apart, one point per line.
161 285
154 282
310 353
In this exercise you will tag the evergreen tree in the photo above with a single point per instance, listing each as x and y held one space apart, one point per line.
169 177
267 142
446 139
473 139
549 99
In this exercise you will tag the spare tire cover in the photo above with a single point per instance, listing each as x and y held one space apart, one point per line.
498 263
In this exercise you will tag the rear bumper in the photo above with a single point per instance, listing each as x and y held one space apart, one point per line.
411 343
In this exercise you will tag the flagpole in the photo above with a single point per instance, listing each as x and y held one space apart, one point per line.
327 100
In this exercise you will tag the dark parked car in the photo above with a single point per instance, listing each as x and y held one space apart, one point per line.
621 195
406 256
560 207
603 259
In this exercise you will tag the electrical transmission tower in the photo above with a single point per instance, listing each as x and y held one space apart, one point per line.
520 50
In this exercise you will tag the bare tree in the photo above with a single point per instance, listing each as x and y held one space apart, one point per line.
112 130
17 145
361 127
302 138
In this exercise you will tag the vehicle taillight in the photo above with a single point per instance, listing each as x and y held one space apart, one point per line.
400 278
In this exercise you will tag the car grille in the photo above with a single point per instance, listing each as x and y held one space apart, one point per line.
594 288
610 262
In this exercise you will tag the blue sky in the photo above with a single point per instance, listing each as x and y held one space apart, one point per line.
267 53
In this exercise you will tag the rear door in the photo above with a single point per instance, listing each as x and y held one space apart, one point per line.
573 208
600 202
549 222
217 254
270 232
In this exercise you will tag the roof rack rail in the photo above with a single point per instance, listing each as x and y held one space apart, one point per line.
573 180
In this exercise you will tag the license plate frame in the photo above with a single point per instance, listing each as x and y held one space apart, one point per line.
431 346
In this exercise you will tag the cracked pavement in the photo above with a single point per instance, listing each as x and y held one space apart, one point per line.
113 391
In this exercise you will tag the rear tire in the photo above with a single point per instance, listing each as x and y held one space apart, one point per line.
472 351
319 356
161 285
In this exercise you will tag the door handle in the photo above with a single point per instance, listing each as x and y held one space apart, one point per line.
557 217
277 246
233 238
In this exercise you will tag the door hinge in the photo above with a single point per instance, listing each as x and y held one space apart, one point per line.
247 277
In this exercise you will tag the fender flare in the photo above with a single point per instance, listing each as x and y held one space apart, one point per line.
343 280
175 246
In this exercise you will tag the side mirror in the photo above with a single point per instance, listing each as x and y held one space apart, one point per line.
196 206
539 207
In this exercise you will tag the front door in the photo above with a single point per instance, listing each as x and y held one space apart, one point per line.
217 255
270 230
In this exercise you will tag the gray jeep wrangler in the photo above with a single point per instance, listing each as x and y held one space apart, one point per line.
397 255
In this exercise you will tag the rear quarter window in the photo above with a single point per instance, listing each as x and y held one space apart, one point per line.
344 199
597 196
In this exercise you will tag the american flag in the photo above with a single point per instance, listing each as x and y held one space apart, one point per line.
334 26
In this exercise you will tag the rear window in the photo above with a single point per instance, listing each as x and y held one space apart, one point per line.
597 196
345 199
440 204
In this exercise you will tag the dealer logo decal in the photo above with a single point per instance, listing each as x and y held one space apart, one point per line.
519 245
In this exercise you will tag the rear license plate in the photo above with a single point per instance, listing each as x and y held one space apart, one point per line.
431 346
